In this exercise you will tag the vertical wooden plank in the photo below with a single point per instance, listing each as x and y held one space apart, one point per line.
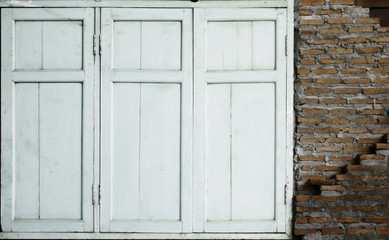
89 99
187 122
161 45
26 151
222 45
218 152
126 44
106 119
28 45
264 45
60 151
160 150
7 124
63 44
245 45
253 146
125 154
199 118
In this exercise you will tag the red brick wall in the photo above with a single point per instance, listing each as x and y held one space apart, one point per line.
342 110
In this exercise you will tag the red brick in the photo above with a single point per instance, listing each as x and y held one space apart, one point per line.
323 71
340 140
312 2
332 61
305 231
379 39
383 230
328 148
312 140
355 149
365 209
325 41
360 231
365 121
327 130
328 11
313 177
311 22
331 31
341 158
341 2
375 90
382 80
333 51
362 101
324 198
306 12
311 51
302 198
340 20
334 101
349 219
328 81
360 29
311 158
321 220
307 32
353 198
369 50
347 91
379 70
308 209
354 70
368 140
374 178
309 101
354 40
332 231
367 20
309 120
337 120
317 90
315 111
357 81
354 130
362 188
344 177
326 168
362 61
307 61
339 209
343 111
383 188
332 188
301 220
377 219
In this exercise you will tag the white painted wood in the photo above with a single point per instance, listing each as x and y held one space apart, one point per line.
219 152
254 160
28 45
7 121
150 4
253 76
264 44
126 151
127 45
60 137
147 76
152 108
27 151
160 151
62 134
252 147
143 236
48 76
290 117
161 45
64 39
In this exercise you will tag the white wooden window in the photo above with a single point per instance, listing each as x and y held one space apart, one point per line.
47 120
137 121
